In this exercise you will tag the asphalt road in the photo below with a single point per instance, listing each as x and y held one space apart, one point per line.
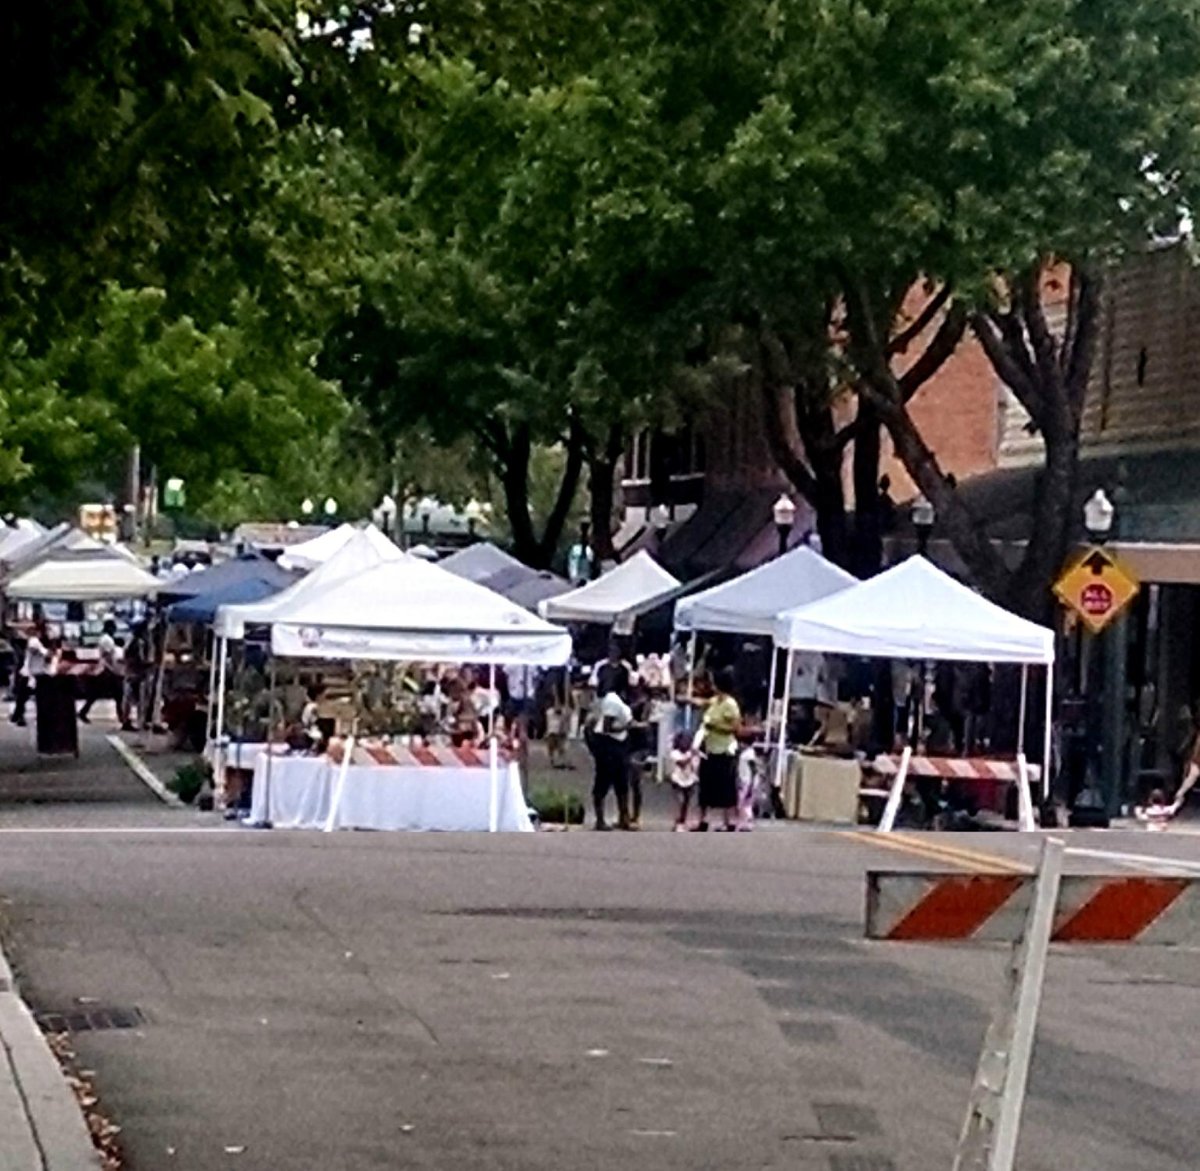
359 1001
367 1000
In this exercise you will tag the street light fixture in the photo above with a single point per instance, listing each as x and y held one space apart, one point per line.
474 513
385 510
330 507
923 515
306 507
784 512
1098 515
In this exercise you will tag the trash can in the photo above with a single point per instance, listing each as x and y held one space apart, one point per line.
57 724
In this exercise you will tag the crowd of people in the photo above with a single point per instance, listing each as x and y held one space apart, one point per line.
717 764
119 672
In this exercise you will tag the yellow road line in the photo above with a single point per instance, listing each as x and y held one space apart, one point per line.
923 847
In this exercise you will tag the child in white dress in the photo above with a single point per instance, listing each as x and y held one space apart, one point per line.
685 771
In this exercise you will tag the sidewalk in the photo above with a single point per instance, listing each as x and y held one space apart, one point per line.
98 774
41 1126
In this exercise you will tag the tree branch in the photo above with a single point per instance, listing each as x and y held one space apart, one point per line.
567 488
1084 335
900 343
1008 369
1045 349
937 353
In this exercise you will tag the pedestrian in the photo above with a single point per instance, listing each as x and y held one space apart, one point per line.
613 673
748 773
608 741
718 743
34 666
683 776
137 665
106 683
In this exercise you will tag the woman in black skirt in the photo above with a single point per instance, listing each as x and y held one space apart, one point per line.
719 745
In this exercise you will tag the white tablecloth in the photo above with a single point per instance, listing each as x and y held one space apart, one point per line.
300 794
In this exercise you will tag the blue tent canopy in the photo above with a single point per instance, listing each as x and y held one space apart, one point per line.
203 607
219 577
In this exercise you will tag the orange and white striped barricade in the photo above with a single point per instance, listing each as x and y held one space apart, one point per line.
969 769
1030 911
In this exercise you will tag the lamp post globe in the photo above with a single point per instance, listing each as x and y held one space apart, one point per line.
306 507
784 513
923 516
1098 515
330 507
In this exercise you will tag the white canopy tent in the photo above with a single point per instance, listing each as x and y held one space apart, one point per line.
82 579
750 603
371 601
606 599
23 534
309 554
916 611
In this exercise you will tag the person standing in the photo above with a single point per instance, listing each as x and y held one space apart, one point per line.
106 684
34 666
609 744
718 742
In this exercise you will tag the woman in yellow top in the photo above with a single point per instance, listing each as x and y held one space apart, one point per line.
718 742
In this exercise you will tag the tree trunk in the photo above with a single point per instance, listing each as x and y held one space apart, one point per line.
602 482
829 503
514 478
867 559
1050 531
513 472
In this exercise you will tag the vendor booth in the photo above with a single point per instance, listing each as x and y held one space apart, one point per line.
373 603
609 598
916 611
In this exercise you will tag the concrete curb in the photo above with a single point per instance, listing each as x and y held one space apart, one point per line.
41 1125
143 773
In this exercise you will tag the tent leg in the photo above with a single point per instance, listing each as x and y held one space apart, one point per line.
1046 734
888 821
1022 707
767 723
211 710
265 823
691 683
222 669
494 789
493 764
339 786
781 745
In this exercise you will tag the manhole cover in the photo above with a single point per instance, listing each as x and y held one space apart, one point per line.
92 1019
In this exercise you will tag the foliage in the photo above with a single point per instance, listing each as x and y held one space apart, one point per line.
190 780
556 805
198 402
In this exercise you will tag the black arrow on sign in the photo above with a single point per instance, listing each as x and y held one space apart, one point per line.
1098 563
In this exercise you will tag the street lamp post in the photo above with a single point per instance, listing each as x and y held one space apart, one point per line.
784 514
473 513
1100 519
923 516
385 511
330 508
306 509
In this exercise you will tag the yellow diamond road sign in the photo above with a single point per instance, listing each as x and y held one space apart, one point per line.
1097 588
